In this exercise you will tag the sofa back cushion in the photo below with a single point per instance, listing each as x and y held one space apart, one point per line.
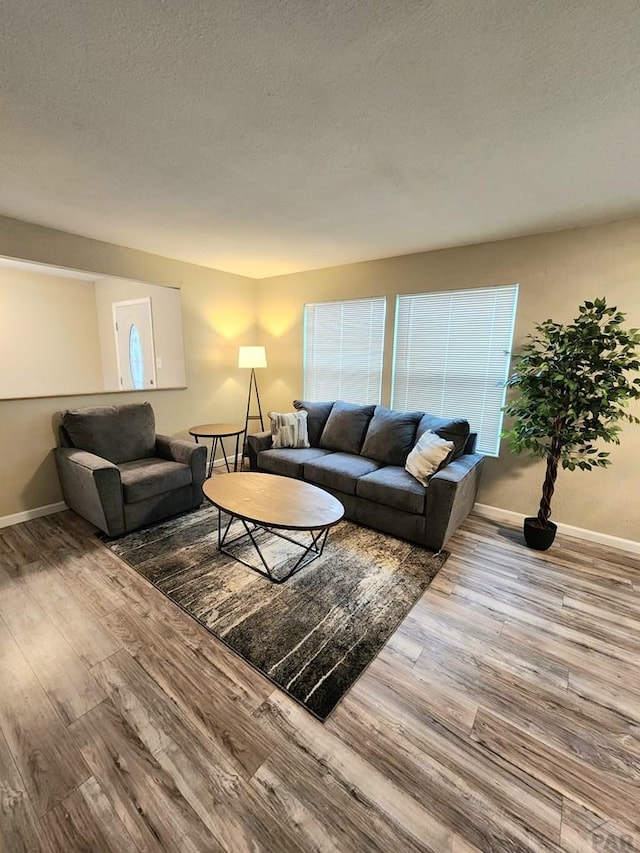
117 433
390 435
451 429
317 415
346 427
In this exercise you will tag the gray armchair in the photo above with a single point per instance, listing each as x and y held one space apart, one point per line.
119 475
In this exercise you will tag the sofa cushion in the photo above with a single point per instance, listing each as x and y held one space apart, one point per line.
117 433
451 429
146 478
317 414
288 461
392 486
390 435
289 429
339 471
345 427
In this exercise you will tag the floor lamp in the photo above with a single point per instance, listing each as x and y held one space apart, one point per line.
252 358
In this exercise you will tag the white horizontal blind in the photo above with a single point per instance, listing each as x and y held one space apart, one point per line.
343 350
451 356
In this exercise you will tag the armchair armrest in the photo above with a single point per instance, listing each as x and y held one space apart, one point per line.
451 494
91 487
186 452
257 441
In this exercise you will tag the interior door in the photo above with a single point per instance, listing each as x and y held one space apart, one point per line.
133 328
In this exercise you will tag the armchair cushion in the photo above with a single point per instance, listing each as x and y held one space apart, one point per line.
146 478
117 433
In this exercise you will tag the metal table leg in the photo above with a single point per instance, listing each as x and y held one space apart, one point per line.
310 552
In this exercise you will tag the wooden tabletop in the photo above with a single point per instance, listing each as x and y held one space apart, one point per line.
274 501
216 430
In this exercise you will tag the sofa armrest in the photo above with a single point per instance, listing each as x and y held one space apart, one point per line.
257 441
186 452
91 487
451 494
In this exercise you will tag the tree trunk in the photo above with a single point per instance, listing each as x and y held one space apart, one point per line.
549 484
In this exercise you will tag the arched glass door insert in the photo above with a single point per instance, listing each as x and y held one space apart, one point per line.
134 344
136 359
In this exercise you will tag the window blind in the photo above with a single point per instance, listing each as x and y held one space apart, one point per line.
451 356
343 350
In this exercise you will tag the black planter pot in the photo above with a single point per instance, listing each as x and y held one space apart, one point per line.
536 537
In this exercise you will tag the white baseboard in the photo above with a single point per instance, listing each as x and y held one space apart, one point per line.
223 461
28 514
496 514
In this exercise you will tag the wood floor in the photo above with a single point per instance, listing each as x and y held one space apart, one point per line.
503 715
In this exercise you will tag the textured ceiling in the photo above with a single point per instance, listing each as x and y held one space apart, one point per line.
269 136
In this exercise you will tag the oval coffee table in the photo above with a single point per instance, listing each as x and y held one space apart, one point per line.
272 503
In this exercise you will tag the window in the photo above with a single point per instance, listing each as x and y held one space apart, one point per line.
343 350
451 356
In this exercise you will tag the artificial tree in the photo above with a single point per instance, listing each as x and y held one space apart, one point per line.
573 383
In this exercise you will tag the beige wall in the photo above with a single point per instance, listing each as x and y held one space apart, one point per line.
219 314
48 334
555 272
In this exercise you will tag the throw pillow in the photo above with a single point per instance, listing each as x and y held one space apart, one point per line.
289 429
451 429
346 426
318 414
430 453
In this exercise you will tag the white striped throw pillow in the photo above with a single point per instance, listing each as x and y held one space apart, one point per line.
289 429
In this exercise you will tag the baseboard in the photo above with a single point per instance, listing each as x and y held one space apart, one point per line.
497 514
28 514
223 461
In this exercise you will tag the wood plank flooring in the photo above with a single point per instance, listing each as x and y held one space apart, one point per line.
503 714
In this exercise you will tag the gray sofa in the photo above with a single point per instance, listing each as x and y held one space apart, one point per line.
119 475
358 454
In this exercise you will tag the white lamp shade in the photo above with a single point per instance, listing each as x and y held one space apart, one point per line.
252 357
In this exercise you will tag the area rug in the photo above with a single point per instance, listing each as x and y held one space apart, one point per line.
312 635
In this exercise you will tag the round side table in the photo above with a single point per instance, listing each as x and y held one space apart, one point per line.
217 432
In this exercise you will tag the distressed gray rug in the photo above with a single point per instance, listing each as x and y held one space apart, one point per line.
312 635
